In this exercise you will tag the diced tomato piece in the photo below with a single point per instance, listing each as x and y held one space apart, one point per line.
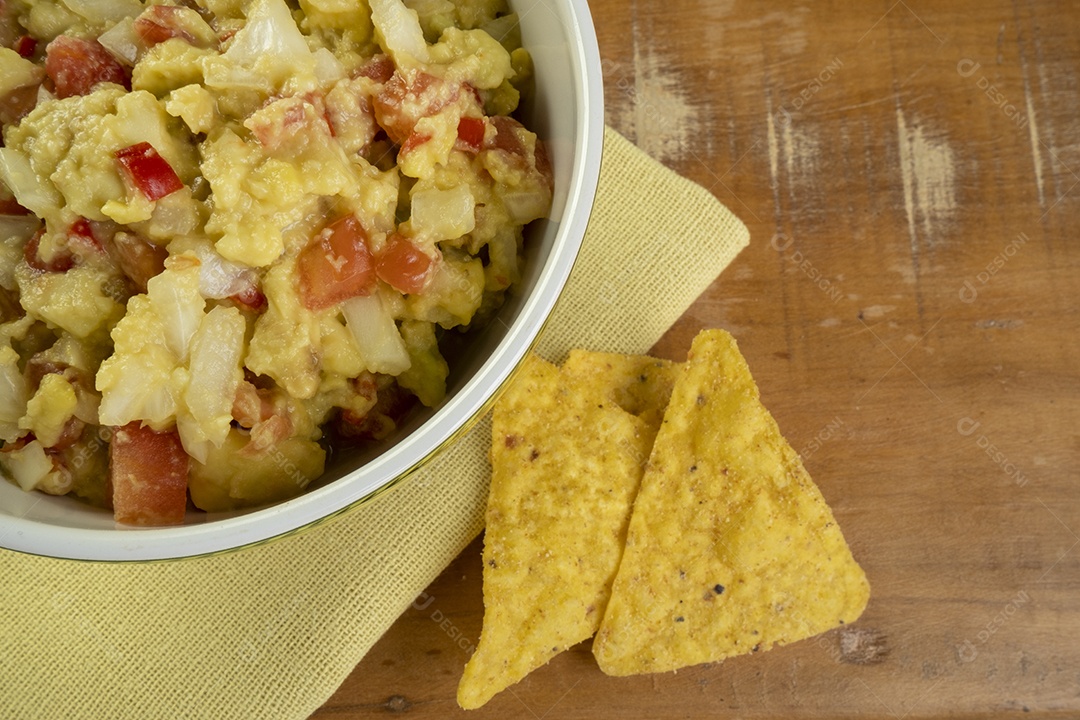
251 405
159 23
470 132
402 103
252 298
389 110
509 139
286 123
149 472
380 68
80 236
26 46
82 240
61 261
81 227
329 120
76 66
148 171
403 265
137 257
18 444
337 265
268 433
152 32
350 117
506 135
412 142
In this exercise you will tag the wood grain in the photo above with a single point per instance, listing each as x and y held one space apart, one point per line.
909 173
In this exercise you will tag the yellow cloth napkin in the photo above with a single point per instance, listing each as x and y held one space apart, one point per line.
271 631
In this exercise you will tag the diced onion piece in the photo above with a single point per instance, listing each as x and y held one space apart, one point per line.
139 391
17 72
28 465
216 351
524 207
376 335
18 226
223 75
226 279
121 41
13 395
175 297
220 278
443 214
174 215
328 69
403 39
29 189
271 43
15 232
104 12
270 28
49 412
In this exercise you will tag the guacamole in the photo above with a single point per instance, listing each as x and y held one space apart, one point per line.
234 232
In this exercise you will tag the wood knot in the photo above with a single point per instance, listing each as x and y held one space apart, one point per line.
860 646
397 704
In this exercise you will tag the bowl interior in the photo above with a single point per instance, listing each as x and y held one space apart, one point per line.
566 112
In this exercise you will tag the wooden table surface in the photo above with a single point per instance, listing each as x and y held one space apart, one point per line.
909 173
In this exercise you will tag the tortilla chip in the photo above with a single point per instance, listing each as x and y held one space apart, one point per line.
731 547
566 464
639 384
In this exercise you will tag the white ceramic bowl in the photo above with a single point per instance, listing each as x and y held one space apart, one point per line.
567 112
